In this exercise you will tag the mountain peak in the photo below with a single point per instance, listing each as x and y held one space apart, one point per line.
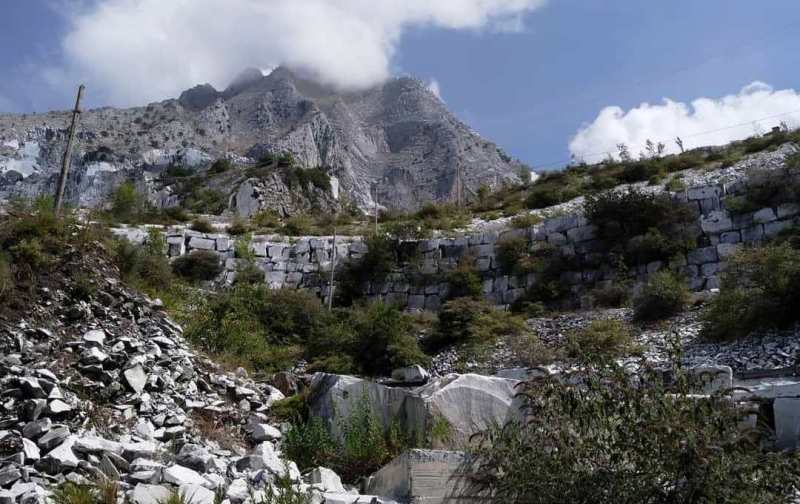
245 79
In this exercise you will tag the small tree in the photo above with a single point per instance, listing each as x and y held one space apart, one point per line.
601 435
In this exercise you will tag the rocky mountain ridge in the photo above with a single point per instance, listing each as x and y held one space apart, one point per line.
397 140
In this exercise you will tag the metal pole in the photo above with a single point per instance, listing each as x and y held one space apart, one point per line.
62 179
333 270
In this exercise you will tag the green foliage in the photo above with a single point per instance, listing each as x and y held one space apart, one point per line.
643 227
613 295
220 166
602 339
464 280
265 219
238 227
384 339
270 329
594 434
768 189
473 323
126 203
199 265
292 409
176 497
623 215
198 198
664 295
177 171
363 448
309 444
6 277
760 289
145 266
201 226
71 493
316 177
298 225
32 240
675 184
525 221
514 258
548 263
284 491
374 266
432 216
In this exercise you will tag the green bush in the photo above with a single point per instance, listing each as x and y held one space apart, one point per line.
6 277
199 265
385 339
177 171
220 166
602 339
525 221
126 203
271 329
664 295
642 227
265 219
298 225
200 199
622 215
464 281
474 323
71 493
514 258
364 446
543 196
282 490
760 289
238 227
614 295
768 189
201 226
146 266
310 445
375 265
594 434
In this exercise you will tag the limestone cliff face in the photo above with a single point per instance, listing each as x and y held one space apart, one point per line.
397 138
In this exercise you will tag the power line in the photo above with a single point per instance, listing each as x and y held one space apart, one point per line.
693 135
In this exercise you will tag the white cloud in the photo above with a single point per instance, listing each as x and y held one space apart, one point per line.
137 50
706 121
435 88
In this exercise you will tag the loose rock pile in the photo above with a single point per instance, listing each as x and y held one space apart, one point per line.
108 390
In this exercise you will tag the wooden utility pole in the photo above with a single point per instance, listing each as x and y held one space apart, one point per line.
458 185
62 179
376 210
333 271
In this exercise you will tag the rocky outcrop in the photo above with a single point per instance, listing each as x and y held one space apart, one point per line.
460 405
397 138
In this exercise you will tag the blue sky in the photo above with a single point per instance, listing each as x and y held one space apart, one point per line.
530 90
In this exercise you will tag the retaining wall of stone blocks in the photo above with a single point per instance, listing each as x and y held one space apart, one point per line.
305 262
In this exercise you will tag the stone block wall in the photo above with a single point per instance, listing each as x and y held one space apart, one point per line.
420 284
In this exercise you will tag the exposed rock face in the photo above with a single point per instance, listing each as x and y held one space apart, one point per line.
430 476
467 403
397 137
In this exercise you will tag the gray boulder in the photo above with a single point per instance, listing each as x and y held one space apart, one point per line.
467 403
150 494
194 457
429 476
